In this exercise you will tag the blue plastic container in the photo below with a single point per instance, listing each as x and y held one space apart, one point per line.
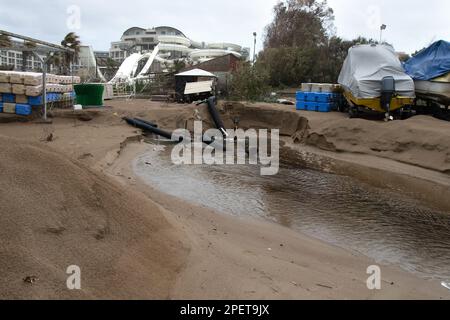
311 96
311 106
325 107
23 109
35 101
301 96
301 105
1 107
325 97
9 98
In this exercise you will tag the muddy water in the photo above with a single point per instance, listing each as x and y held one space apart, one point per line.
378 223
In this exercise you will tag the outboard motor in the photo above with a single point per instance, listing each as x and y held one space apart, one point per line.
387 93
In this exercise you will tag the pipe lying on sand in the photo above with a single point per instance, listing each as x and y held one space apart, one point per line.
145 126
154 125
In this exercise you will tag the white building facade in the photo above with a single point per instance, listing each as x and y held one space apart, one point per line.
14 59
173 44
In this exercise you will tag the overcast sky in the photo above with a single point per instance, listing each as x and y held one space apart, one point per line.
412 24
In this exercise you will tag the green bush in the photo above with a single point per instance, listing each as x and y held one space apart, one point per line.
249 83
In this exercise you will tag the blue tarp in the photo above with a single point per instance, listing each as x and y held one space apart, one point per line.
430 63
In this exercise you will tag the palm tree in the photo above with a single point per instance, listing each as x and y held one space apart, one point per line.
26 54
55 61
71 41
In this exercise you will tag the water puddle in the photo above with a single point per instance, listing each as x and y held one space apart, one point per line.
380 224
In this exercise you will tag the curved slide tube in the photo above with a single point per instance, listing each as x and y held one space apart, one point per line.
149 63
127 69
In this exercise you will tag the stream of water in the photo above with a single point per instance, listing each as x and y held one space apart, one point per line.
381 224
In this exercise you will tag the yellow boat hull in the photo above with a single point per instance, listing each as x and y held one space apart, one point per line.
375 103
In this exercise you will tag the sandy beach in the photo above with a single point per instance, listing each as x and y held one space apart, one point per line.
69 196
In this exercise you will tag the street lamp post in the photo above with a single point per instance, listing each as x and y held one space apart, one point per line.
254 48
383 27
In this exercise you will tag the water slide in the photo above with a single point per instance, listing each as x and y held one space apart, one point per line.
127 69
90 60
149 63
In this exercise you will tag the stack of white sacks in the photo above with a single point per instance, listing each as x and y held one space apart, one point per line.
30 83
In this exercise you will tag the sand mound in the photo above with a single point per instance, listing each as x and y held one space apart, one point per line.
422 140
265 117
55 213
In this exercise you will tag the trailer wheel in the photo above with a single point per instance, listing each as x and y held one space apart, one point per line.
353 112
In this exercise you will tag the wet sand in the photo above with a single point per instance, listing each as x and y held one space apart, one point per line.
214 255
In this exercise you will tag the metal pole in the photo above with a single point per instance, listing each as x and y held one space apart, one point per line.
44 88
44 43
44 83
254 48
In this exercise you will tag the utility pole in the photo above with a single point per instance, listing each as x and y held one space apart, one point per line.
383 27
254 48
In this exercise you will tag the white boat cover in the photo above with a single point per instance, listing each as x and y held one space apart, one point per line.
365 67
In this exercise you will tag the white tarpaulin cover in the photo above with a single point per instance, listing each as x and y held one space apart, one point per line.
365 67
198 87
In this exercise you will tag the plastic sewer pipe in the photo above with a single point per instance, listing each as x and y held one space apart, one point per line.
216 116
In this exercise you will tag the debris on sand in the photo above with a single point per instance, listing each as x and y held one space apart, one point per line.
31 279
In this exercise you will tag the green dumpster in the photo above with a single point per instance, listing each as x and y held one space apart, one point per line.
89 94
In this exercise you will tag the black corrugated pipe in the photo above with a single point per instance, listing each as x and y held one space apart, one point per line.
146 127
154 125
216 116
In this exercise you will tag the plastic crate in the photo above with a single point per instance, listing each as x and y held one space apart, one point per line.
325 107
301 96
325 97
301 105
9 108
311 106
35 101
1 107
21 99
23 109
310 96
9 98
